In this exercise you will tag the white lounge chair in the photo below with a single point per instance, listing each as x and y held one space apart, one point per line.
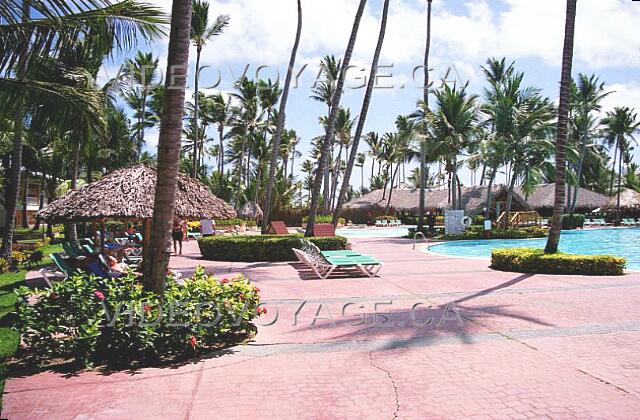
324 266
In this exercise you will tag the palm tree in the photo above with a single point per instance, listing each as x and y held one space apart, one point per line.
453 124
375 149
158 244
360 161
59 26
201 33
620 125
561 134
220 115
363 115
280 124
142 72
328 138
586 96
342 130
425 98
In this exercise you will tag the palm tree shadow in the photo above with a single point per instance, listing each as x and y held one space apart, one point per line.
426 323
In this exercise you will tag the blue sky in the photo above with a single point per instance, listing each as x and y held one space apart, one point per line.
464 34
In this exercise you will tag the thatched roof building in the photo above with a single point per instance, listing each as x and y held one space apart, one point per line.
473 200
543 195
629 199
129 194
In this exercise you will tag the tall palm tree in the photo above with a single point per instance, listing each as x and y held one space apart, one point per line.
158 244
363 115
586 96
375 149
620 125
454 125
328 138
142 72
561 135
425 98
220 115
361 159
280 124
201 33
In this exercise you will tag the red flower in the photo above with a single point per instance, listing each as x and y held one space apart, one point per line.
256 288
147 308
227 303
99 295
193 341
53 296
262 310
224 280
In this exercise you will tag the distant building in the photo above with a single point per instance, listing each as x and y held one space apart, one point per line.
33 185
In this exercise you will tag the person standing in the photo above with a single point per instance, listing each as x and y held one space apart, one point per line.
207 227
178 233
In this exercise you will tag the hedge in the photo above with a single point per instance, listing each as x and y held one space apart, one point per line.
530 260
253 248
572 221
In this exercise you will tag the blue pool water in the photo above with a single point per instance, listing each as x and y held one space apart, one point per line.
619 242
374 232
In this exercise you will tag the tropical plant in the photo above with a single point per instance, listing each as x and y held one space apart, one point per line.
328 138
156 256
275 146
363 115
201 33
561 133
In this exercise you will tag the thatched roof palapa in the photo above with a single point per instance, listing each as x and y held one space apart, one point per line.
473 199
250 210
128 193
628 199
544 194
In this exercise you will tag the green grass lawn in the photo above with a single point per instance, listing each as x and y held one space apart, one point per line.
9 281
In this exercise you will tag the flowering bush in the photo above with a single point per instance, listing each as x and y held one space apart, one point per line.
94 319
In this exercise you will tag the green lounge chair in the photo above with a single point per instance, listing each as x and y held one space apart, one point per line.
324 263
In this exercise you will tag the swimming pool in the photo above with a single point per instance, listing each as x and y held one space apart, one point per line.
374 232
624 242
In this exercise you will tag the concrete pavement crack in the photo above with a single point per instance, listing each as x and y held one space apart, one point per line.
393 384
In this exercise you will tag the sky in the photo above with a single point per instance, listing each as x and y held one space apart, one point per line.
464 34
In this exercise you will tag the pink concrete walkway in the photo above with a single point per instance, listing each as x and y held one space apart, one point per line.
432 337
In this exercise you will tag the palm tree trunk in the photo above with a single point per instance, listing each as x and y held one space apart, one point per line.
362 117
487 211
613 167
336 171
561 134
157 252
512 185
583 150
196 111
620 145
11 200
393 177
25 191
335 104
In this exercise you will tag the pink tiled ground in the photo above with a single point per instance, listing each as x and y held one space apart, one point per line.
499 345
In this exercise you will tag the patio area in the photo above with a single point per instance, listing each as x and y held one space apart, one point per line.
442 337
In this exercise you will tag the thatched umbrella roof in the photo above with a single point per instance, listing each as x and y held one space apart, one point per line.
473 199
628 199
250 210
129 194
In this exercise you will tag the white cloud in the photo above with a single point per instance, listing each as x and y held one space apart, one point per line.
623 94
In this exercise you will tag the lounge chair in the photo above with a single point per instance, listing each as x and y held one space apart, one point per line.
599 222
588 223
324 230
64 269
323 263
278 227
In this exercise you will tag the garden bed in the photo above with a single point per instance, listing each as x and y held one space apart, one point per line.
529 260
256 248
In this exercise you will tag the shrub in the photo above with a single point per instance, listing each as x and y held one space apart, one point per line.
324 219
94 319
529 260
233 222
477 232
254 248
4 265
572 221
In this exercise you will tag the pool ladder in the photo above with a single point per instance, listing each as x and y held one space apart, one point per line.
415 239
